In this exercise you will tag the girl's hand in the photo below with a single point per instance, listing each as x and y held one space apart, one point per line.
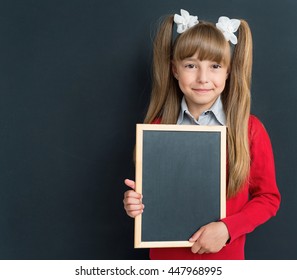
210 238
132 200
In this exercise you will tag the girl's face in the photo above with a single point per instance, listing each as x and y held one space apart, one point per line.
200 81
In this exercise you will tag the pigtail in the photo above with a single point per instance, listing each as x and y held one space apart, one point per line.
237 101
163 82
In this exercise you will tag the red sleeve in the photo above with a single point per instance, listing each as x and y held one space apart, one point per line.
264 197
156 121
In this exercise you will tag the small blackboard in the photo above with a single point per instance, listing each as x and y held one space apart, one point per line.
181 173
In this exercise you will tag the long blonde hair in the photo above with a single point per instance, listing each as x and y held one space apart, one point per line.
209 43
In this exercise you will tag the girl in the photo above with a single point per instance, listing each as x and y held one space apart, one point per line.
201 79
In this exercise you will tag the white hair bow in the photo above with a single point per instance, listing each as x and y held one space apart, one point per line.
185 21
228 27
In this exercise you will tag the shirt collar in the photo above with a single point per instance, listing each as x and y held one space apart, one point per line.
217 110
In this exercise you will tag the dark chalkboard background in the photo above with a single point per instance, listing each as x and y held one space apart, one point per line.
74 81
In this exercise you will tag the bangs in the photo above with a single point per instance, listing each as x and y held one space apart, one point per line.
204 40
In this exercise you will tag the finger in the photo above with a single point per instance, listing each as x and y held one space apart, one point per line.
130 183
132 194
196 247
130 208
196 235
133 214
201 251
132 201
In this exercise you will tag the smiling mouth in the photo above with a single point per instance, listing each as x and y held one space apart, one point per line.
201 90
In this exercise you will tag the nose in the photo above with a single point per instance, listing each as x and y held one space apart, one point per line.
202 75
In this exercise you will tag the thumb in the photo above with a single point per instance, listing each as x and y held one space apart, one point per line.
130 183
196 235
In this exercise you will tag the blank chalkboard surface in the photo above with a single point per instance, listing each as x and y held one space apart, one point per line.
181 173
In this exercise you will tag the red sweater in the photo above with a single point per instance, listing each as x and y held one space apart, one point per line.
258 201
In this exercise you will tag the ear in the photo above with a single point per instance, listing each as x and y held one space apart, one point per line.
227 75
228 72
174 70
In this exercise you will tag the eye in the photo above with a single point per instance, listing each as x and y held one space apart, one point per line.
190 66
216 66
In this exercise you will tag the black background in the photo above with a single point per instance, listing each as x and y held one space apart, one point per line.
74 81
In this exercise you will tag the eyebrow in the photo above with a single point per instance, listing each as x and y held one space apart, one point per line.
190 60
193 59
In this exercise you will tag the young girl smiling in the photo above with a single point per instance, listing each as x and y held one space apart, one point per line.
203 77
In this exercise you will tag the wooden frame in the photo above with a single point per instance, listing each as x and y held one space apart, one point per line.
158 150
